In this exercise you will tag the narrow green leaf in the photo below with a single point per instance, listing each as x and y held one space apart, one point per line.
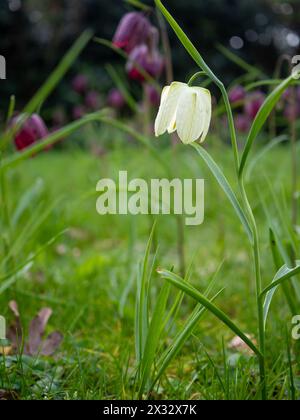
260 83
50 140
142 320
261 118
195 294
47 88
188 45
140 5
38 217
279 237
180 339
58 73
153 336
224 184
278 262
11 108
284 274
10 278
131 102
29 197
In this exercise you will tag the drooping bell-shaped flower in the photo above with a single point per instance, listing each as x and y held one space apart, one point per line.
29 131
148 60
132 31
184 109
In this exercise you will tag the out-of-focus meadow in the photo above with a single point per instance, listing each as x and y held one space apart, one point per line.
89 270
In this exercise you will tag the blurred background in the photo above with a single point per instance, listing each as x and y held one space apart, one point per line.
35 35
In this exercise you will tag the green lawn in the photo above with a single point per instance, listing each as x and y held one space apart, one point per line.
88 278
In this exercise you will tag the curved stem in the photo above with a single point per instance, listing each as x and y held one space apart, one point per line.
231 127
195 76
229 114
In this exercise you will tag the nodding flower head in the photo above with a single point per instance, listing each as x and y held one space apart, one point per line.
184 109
30 131
142 57
116 99
253 103
133 30
237 94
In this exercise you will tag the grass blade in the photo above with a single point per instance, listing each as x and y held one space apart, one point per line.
46 89
142 314
284 274
30 196
224 184
58 73
50 140
261 118
188 45
131 102
153 336
192 292
278 261
180 340
10 278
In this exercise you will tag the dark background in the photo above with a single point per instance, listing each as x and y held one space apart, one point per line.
35 34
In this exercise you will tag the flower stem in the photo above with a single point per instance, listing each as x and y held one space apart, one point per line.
195 77
254 244
258 289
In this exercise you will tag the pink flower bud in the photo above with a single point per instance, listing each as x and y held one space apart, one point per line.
133 30
253 104
29 132
116 99
237 94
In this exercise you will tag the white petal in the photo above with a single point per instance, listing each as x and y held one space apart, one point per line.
165 119
207 109
190 116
